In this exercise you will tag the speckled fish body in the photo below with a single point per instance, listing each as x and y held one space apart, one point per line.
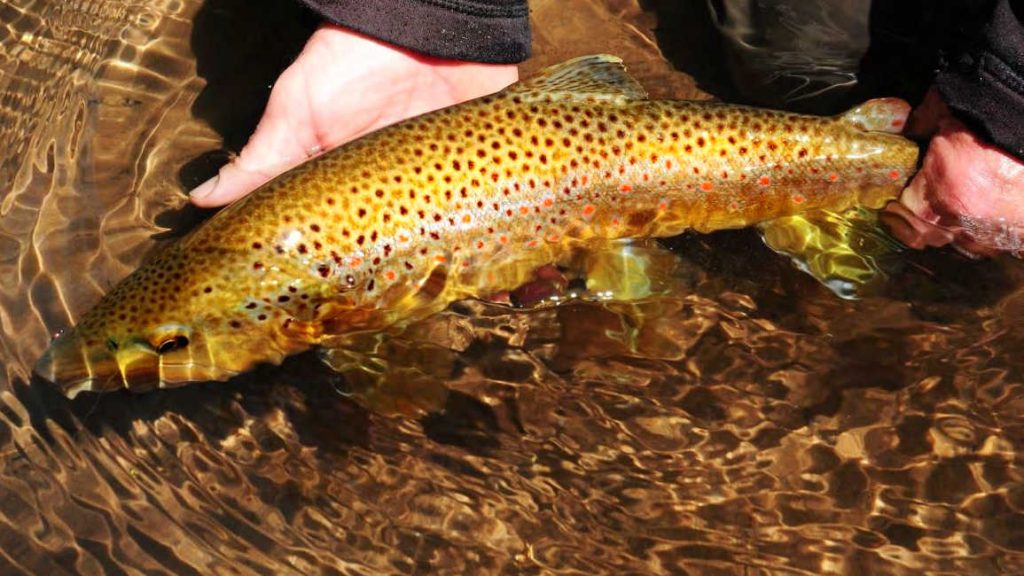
453 203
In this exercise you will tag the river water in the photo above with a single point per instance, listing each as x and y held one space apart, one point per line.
743 421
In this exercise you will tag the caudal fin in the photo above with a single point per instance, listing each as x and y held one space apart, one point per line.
879 115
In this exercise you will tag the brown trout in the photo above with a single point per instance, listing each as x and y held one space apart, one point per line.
464 202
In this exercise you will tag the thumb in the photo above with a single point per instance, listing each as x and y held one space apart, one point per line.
911 218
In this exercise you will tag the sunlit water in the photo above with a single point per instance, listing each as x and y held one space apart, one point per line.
745 421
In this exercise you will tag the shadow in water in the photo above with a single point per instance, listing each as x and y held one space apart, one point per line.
686 39
323 410
302 389
240 51
903 43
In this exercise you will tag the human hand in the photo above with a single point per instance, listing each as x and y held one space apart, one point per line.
968 193
341 86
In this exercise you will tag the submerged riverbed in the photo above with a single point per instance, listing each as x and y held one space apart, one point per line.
744 421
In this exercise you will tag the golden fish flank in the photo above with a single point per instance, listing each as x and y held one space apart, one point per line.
457 203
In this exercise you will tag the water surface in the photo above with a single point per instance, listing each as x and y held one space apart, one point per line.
746 421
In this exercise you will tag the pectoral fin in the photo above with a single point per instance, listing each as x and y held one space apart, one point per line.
391 374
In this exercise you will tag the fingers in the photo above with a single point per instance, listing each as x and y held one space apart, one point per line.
284 138
968 193
260 160
341 86
230 184
270 151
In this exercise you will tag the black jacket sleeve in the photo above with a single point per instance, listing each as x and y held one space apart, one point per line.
491 31
981 77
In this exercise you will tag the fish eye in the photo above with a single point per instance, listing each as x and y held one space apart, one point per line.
173 343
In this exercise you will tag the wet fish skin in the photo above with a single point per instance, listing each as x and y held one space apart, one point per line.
464 202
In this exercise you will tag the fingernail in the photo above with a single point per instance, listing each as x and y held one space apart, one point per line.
204 189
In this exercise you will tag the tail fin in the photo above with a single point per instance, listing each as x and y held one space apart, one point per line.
879 115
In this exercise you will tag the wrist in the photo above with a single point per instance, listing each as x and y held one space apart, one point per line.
365 55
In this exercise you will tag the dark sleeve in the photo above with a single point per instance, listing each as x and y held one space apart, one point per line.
491 31
981 77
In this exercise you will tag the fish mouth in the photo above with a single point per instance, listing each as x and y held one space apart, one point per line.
137 368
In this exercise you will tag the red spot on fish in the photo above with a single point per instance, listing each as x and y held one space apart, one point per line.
524 210
503 239
707 186
390 275
663 205
589 210
531 244
625 188
668 164
897 122
355 262
833 177
895 175
799 198
548 202
440 258
764 181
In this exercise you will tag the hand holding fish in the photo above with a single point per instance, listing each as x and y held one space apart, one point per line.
968 193
341 86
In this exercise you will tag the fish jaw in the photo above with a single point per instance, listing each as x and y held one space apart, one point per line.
75 366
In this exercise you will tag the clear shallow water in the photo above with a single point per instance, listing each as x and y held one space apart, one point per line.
747 421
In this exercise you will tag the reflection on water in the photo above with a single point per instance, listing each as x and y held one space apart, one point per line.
748 421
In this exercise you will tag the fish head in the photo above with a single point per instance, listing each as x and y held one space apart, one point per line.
140 337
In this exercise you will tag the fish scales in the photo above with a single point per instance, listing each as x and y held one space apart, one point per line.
461 186
352 240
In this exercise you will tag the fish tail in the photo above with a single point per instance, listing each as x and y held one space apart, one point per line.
879 115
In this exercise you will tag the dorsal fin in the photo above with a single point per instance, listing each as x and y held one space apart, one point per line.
879 115
598 77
